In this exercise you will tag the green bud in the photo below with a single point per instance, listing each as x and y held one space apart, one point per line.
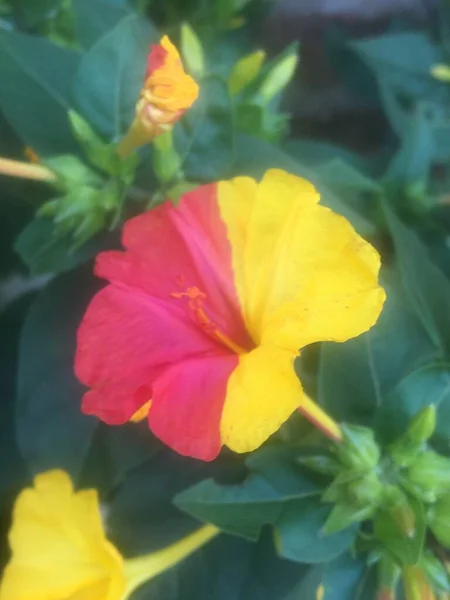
245 71
441 72
279 77
359 450
326 465
422 426
192 51
439 520
343 515
99 153
405 450
72 173
366 490
166 160
429 475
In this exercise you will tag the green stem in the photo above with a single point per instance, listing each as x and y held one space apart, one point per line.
143 568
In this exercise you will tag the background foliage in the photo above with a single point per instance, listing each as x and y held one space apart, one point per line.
89 56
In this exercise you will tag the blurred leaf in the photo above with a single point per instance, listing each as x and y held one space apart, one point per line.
13 473
403 60
205 135
427 288
37 79
141 514
407 548
299 535
227 569
423 387
35 12
94 18
111 75
52 431
312 152
413 160
45 252
355 377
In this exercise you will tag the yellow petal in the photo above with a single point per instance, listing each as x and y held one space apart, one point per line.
302 273
59 549
263 391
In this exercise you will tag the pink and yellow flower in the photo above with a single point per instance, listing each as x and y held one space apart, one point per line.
209 304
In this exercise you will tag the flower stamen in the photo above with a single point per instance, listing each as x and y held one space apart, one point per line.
195 304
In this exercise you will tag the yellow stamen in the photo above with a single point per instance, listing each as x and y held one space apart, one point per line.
16 168
141 413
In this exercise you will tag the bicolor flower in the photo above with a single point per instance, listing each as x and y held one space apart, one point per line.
167 93
60 551
209 304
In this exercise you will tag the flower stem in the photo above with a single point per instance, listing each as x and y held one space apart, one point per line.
16 168
143 568
135 137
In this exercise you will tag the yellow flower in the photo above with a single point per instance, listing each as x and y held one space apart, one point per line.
60 551
168 91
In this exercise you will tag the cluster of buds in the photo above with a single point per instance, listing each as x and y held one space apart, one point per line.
400 492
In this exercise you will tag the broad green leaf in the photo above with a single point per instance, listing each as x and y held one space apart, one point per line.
37 79
44 252
94 18
254 157
243 509
111 75
299 535
51 429
355 377
205 136
426 287
427 386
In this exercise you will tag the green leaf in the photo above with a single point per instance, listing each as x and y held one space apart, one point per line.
34 12
37 79
423 387
45 252
111 75
94 18
426 287
402 59
355 377
406 547
243 509
299 533
51 429
205 136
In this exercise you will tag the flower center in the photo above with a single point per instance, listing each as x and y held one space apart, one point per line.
195 304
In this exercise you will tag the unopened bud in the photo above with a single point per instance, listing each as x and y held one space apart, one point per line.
359 449
366 490
415 584
245 71
192 51
429 475
343 515
422 426
441 72
279 77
